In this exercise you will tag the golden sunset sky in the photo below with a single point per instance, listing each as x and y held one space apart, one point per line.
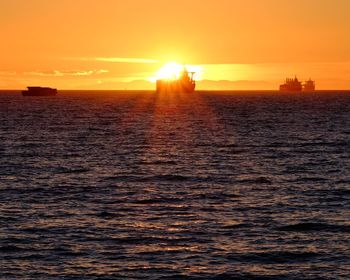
117 44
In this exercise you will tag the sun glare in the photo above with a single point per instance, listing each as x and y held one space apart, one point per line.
172 71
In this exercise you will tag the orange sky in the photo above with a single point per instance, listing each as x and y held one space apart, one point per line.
108 44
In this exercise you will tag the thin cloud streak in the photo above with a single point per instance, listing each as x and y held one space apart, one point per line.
118 59
8 73
57 73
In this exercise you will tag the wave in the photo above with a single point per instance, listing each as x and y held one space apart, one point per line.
341 192
142 240
258 180
344 181
309 180
64 170
234 276
155 178
329 194
106 215
158 162
12 249
167 177
157 200
236 226
308 227
273 257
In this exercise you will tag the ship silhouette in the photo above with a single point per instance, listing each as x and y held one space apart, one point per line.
295 85
309 85
291 85
184 84
39 91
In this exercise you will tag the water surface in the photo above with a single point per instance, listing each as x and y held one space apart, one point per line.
138 185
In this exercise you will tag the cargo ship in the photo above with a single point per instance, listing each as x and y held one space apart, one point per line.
184 84
291 85
309 85
39 91
295 85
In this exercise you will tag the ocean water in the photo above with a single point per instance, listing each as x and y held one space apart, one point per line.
211 185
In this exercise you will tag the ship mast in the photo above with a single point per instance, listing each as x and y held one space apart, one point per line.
192 75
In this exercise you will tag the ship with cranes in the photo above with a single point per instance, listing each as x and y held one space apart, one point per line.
294 85
185 83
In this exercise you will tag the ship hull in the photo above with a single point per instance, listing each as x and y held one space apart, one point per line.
309 89
175 86
288 89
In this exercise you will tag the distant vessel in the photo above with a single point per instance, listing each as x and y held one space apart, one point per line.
185 83
309 85
291 85
296 85
39 91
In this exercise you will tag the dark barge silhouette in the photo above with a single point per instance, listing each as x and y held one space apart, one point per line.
39 91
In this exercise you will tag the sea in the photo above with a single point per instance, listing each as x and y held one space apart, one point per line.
209 185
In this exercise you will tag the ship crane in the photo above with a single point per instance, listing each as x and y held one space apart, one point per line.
192 75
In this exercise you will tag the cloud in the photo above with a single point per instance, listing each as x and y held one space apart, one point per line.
7 73
57 73
118 59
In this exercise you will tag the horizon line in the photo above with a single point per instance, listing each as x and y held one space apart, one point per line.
197 90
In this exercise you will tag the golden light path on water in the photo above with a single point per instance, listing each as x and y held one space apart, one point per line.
169 137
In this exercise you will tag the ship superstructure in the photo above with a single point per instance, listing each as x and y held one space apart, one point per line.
184 84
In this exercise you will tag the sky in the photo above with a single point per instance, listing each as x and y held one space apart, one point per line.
119 44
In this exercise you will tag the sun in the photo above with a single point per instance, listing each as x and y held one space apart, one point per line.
170 71
173 70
